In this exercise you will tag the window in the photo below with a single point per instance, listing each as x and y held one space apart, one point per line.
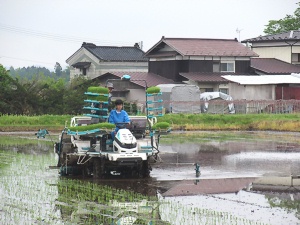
119 94
296 58
224 90
227 67
84 71
216 66
202 90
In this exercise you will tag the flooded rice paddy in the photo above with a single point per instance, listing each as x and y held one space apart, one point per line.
246 178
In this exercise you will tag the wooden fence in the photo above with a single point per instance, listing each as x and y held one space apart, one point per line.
226 107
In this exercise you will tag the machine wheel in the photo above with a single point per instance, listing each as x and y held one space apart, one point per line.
98 168
86 171
65 146
145 171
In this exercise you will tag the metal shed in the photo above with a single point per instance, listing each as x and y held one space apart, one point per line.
180 98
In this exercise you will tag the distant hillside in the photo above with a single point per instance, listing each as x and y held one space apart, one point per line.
31 72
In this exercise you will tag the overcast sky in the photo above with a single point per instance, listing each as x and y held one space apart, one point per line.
42 32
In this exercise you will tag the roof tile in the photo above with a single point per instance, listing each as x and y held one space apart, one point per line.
150 78
204 47
289 35
112 53
206 77
273 66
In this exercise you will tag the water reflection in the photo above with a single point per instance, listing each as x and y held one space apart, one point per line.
244 154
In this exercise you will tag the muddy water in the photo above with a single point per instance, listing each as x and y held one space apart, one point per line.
239 155
245 179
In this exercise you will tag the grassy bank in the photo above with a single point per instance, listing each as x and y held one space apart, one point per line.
276 122
189 122
33 123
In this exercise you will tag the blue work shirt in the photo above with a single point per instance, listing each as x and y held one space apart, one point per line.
118 117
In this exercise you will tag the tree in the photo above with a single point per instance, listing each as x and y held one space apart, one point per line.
288 23
57 69
12 94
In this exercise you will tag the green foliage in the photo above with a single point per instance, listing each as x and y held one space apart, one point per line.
130 107
153 89
40 94
12 96
58 69
108 126
30 73
288 23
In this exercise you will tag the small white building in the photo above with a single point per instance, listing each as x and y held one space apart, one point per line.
261 87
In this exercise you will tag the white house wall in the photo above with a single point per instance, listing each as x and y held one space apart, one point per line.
83 55
251 92
281 53
137 95
105 67
296 49
97 68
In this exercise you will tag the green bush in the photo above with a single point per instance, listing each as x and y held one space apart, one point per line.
130 108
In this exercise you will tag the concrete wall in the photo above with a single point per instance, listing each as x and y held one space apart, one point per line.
137 95
251 92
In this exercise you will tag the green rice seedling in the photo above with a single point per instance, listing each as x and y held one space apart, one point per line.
103 91
153 90
104 126
161 126
99 90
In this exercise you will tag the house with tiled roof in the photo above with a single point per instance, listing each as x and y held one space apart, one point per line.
133 90
283 46
272 66
199 61
92 61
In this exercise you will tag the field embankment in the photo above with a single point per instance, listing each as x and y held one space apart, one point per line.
33 123
188 122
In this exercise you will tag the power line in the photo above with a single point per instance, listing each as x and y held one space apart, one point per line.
2 56
55 37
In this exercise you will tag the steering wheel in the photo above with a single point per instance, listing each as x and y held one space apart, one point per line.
122 125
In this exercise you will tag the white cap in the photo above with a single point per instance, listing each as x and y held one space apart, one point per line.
110 85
